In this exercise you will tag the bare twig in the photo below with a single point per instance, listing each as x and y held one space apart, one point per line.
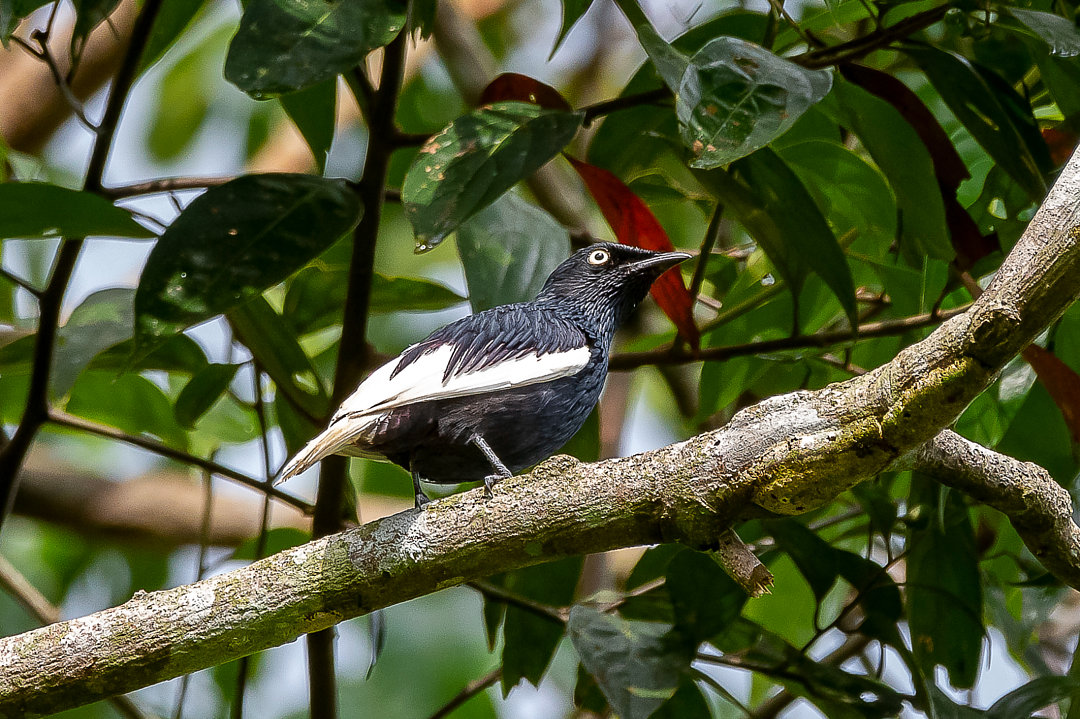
66 420
468 692
882 37
885 328
43 53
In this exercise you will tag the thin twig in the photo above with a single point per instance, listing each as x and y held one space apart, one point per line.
599 109
43 54
244 665
72 422
882 37
504 596
885 328
20 282
468 692
353 349
167 184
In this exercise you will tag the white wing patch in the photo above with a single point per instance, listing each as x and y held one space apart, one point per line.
422 381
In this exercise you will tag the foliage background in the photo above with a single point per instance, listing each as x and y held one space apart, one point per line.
879 204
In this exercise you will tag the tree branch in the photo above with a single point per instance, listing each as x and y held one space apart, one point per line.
1039 508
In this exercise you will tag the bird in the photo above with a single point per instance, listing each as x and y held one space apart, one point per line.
498 391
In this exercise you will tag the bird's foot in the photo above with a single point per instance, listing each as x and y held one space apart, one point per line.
490 481
421 500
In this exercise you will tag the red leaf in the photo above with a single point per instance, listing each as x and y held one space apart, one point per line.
634 224
512 86
968 242
1061 142
1061 382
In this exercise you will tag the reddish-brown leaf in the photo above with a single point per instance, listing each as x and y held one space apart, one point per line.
1061 382
512 86
1061 142
970 244
634 224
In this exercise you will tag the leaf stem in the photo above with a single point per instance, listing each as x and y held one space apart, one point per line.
468 692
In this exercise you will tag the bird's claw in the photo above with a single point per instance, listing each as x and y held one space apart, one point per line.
490 481
420 499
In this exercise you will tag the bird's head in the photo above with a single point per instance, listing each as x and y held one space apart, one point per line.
607 279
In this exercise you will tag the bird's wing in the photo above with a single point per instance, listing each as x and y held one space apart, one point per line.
498 349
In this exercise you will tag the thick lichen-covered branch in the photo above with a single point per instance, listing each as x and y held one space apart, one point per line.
785 455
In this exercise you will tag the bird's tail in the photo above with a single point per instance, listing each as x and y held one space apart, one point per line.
334 438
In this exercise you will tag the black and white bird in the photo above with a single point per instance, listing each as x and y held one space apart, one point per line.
498 391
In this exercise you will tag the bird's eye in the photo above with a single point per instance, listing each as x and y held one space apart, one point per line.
599 257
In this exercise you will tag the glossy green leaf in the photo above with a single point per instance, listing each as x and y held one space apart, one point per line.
944 591
529 640
278 353
477 158
172 19
977 106
129 402
1058 32
1033 696
104 319
314 111
508 249
632 664
736 97
287 45
806 234
1037 433
202 391
233 242
36 209
853 196
410 294
895 147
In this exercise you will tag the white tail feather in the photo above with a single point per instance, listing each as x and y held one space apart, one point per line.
333 439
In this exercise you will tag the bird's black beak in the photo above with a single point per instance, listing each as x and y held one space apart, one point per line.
659 263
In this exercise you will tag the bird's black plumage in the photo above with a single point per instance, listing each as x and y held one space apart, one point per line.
498 391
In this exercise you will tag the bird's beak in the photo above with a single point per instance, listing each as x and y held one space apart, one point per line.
659 263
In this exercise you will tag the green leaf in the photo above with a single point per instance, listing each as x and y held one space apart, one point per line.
704 598
172 19
508 249
635 668
36 209
944 592
313 111
104 319
182 104
572 10
12 11
976 105
89 14
410 294
687 703
477 158
287 45
1058 32
129 402
1037 433
806 233
202 391
896 148
233 242
529 640
853 195
1036 694
670 64
736 97
270 341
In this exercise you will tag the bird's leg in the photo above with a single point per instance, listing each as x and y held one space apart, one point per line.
501 472
419 498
